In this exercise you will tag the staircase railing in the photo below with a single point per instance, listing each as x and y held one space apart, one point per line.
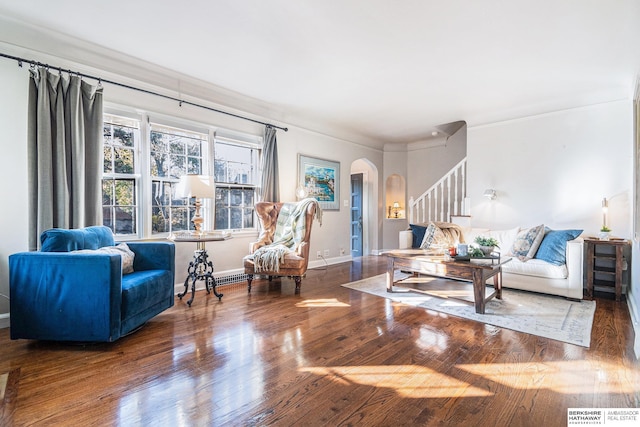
443 199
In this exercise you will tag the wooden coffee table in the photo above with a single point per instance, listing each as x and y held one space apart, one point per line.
424 262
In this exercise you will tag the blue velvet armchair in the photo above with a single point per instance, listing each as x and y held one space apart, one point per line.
72 290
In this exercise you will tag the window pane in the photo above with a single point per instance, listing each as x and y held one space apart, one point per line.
107 217
178 166
108 159
159 220
123 160
159 164
119 201
125 220
234 164
169 161
124 192
179 219
194 165
235 171
107 192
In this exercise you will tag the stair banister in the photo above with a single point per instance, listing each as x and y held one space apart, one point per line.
430 205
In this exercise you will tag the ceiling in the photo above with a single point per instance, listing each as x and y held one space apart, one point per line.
374 71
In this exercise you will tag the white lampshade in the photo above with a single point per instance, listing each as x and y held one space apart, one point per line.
200 186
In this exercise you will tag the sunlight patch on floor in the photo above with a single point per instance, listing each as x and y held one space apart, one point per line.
3 384
406 380
323 302
567 377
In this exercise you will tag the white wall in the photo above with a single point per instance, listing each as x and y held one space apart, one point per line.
13 173
554 169
427 162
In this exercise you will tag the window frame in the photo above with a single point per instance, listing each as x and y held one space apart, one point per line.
244 142
143 160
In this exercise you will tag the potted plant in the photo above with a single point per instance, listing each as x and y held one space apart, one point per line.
486 244
605 232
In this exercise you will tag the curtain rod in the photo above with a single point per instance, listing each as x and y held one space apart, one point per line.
149 92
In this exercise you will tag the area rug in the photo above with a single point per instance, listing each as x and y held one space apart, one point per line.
543 315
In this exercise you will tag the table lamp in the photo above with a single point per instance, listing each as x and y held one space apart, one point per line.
198 186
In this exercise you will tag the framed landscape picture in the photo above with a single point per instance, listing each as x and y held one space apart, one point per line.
321 178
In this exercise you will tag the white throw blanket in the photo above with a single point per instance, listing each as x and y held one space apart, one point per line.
290 230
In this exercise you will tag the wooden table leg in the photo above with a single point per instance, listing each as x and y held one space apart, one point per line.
479 290
390 270
497 283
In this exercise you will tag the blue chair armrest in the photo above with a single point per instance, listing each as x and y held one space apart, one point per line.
65 296
153 256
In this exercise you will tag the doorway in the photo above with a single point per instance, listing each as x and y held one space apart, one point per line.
356 214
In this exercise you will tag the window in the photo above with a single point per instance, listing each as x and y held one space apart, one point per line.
236 176
120 182
143 163
173 153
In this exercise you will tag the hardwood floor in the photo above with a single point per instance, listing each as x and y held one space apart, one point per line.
329 356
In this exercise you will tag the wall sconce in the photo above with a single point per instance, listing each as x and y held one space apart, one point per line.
490 194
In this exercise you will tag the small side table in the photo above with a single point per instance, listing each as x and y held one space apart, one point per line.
200 268
605 264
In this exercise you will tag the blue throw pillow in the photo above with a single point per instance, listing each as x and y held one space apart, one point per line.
418 234
62 240
553 248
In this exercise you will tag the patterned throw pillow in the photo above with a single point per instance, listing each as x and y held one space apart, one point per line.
122 249
429 235
527 243
439 238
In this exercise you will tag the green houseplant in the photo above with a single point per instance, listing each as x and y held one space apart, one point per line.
486 244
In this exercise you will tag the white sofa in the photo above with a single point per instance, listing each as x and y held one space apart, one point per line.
535 274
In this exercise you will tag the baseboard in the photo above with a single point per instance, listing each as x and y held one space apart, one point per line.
4 320
228 277
634 313
323 262
223 278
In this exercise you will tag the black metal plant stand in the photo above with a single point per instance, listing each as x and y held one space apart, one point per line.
200 269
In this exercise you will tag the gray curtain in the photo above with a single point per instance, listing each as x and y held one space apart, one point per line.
64 153
270 183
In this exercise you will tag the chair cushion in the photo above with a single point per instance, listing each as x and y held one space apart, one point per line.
61 240
291 261
143 289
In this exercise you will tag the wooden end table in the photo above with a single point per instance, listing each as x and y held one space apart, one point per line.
605 264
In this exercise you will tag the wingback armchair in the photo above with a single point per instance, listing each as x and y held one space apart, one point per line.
76 289
283 245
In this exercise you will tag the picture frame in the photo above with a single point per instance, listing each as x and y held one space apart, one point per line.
321 179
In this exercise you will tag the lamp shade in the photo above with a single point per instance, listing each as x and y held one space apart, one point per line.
200 186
